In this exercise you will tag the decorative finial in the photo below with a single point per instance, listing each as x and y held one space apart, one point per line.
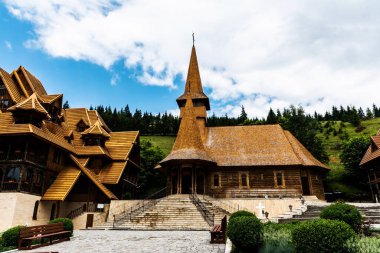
193 39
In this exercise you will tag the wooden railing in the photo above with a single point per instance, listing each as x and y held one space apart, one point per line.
91 207
144 205
207 214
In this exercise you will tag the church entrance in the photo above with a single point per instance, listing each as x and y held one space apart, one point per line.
186 184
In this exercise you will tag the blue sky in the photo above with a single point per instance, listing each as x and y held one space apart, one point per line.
250 52
83 83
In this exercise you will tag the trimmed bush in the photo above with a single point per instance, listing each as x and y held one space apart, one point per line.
67 223
10 237
321 236
241 214
246 233
343 212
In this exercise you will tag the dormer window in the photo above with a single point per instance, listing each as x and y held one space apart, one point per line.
81 127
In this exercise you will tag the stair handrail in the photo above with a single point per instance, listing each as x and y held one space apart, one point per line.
90 207
140 207
207 214
228 206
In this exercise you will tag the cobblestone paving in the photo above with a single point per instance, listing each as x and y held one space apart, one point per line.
136 242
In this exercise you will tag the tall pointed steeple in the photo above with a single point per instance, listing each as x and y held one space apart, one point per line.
188 144
194 84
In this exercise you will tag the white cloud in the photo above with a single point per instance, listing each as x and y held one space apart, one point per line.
8 45
252 53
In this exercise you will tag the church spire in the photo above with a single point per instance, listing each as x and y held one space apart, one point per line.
194 84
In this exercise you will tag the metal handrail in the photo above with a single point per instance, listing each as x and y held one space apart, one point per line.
91 207
207 215
146 204
225 204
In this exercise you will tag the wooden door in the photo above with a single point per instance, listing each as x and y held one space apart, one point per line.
90 220
305 186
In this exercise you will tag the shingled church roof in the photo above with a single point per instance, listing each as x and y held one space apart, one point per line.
259 145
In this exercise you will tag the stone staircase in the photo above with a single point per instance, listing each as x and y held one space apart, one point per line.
370 211
175 212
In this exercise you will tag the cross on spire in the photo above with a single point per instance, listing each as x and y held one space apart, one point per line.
193 39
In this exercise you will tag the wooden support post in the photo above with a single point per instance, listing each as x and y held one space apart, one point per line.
26 150
370 186
2 178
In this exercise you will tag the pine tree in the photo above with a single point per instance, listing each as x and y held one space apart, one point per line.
66 105
272 117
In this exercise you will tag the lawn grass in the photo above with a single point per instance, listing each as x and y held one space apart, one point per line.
165 143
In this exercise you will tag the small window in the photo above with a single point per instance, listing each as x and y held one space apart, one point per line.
216 180
35 210
13 174
279 180
57 156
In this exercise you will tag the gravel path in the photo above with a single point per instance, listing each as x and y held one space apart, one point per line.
136 242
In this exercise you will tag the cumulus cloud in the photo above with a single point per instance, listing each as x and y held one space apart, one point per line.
252 53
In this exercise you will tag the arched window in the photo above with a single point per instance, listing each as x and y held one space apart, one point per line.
35 210
27 176
13 174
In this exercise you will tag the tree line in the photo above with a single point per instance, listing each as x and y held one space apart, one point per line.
302 125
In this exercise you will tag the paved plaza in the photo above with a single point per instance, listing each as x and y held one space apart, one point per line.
136 242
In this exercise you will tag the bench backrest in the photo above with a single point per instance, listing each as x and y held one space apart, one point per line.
41 230
224 223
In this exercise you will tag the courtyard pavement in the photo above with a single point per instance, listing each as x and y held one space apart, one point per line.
136 242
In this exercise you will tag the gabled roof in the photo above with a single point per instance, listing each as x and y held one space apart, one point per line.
96 129
62 185
93 178
112 173
121 143
188 144
30 82
30 104
373 151
14 91
193 82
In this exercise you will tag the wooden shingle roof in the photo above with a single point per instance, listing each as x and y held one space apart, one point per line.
373 151
62 185
193 82
30 104
188 144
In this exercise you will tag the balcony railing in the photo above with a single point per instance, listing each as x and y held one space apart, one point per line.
20 156
10 186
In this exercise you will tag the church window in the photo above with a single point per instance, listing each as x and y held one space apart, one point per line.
279 179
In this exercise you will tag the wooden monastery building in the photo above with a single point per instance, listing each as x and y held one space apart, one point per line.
235 161
54 160
371 163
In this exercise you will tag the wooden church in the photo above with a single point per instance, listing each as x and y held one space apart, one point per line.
236 161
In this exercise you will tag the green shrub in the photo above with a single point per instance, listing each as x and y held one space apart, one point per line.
67 223
343 212
277 239
363 245
246 233
10 237
240 214
321 236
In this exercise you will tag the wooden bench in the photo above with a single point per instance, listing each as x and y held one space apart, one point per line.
218 232
51 233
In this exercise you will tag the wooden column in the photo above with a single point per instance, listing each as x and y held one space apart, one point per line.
370 186
195 179
2 178
26 150
180 180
